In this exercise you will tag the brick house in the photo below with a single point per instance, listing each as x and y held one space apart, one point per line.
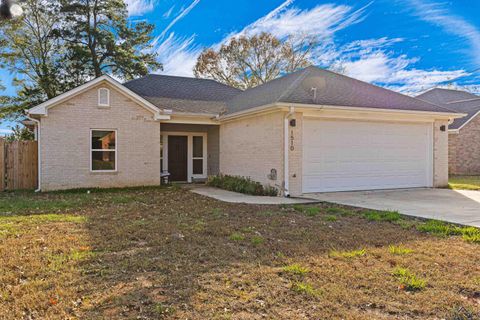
309 131
464 133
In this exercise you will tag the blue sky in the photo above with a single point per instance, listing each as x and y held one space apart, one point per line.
405 45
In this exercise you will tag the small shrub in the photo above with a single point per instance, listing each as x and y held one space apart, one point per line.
237 236
399 250
241 185
330 218
312 211
305 288
296 269
257 240
408 280
348 254
389 216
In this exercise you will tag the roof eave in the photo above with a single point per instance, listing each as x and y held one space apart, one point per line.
435 114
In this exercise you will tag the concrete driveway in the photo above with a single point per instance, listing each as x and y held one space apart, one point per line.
457 206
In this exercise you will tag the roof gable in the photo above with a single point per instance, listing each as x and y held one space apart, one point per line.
42 109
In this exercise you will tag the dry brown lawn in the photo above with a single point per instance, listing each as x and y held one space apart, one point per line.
166 253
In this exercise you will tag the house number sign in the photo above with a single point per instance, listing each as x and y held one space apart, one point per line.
292 141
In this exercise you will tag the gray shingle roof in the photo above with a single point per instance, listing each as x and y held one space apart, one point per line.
456 100
206 96
331 89
443 96
182 94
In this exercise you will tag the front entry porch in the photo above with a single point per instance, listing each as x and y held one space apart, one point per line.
189 155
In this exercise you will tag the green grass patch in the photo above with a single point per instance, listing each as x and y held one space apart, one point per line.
389 216
58 262
399 250
464 182
43 218
296 269
257 240
348 254
299 207
408 280
439 228
306 289
330 218
237 236
312 211
339 211
16 224
444 229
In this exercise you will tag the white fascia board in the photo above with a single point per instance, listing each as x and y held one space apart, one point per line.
437 115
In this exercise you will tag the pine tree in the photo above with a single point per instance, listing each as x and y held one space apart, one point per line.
102 40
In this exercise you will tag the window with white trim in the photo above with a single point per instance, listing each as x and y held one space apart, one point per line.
197 155
103 150
103 97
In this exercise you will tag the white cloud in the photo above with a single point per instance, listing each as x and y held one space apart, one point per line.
180 16
371 60
323 21
179 55
139 7
168 13
437 14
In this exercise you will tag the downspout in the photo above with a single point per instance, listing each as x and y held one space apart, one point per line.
286 172
39 155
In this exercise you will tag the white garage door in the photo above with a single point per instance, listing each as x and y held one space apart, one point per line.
354 155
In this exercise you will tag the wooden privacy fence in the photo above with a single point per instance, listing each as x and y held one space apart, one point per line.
18 165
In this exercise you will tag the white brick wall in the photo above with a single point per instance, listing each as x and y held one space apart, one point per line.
252 146
295 156
65 143
440 154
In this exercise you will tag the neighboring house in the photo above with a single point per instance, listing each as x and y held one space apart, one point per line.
464 133
309 131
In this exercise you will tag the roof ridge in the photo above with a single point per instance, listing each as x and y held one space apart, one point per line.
182 77
466 100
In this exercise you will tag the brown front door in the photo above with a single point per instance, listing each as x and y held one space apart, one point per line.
177 158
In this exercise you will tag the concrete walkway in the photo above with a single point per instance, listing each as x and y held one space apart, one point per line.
234 197
457 206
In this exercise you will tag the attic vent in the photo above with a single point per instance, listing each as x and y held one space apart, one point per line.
103 97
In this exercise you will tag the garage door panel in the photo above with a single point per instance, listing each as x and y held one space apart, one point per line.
349 155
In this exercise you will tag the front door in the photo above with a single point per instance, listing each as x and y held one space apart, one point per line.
178 158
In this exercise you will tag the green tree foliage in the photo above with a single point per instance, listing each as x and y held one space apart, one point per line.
60 44
20 133
100 37
246 62
31 49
